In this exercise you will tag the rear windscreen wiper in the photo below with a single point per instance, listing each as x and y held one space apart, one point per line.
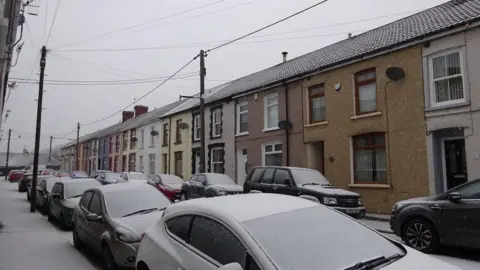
371 264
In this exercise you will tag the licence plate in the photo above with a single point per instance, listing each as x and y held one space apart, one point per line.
353 211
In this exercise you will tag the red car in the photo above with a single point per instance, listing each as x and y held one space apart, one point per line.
168 184
15 176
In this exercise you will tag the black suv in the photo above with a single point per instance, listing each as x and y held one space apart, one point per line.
451 218
300 182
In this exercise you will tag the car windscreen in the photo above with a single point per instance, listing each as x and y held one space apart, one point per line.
219 179
77 189
80 174
112 176
121 202
171 179
137 176
49 183
313 237
305 176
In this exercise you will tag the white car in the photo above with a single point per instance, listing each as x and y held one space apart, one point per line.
269 231
134 177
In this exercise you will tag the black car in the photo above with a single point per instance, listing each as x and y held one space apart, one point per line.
304 182
43 191
451 218
208 185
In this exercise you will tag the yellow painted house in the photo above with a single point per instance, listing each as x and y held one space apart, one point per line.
176 142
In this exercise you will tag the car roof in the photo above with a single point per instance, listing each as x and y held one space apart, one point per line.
68 180
244 207
283 167
123 186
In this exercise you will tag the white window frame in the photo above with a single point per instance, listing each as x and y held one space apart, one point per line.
196 127
151 164
265 112
142 138
140 163
239 113
264 152
433 100
212 162
215 122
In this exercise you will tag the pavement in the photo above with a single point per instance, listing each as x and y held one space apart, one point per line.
29 241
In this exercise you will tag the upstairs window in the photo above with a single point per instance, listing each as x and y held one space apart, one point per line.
125 140
142 138
242 118
316 97
271 112
178 132
217 123
196 128
165 134
133 138
447 78
366 91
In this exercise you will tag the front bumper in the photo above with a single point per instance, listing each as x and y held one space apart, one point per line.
356 212
125 254
395 225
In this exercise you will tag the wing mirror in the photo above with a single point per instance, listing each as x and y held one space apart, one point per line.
55 196
39 188
231 266
455 197
92 217
288 182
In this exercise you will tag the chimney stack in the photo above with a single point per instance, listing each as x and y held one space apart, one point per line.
126 115
139 110
284 56
349 35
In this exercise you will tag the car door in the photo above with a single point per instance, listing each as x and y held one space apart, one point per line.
266 180
55 205
201 185
40 190
94 230
252 181
279 183
191 187
82 212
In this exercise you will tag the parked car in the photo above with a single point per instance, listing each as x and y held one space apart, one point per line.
15 175
209 185
47 172
29 184
168 184
95 174
60 174
111 219
134 176
29 168
79 174
108 178
269 231
451 218
65 196
304 182
23 182
43 193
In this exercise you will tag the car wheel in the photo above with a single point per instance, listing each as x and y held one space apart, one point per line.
108 260
76 240
209 195
421 235
183 196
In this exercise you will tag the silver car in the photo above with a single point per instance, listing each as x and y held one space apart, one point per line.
111 219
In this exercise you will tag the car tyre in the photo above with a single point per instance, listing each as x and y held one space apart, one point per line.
77 243
108 260
183 196
421 235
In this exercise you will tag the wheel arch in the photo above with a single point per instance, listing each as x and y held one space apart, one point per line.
426 218
141 265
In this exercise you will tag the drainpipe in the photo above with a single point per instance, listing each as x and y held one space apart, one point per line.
287 132
169 144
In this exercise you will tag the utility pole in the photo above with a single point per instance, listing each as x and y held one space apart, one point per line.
202 111
50 150
77 148
8 149
33 196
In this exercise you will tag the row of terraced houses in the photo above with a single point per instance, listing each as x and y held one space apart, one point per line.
408 132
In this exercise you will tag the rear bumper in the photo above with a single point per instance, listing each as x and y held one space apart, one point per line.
356 212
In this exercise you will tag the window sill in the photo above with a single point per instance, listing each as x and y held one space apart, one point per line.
383 186
241 134
323 123
447 106
196 139
177 143
163 145
151 146
215 136
270 129
365 115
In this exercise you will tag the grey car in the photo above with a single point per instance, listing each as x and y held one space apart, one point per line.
111 219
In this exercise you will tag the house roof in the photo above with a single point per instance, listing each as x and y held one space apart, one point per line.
417 26
153 115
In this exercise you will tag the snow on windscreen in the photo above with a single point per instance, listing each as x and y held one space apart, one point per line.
311 237
137 176
304 176
219 179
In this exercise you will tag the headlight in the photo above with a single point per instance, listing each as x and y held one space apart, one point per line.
126 236
360 202
222 192
396 207
329 200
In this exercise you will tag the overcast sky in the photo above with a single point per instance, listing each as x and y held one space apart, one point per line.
179 36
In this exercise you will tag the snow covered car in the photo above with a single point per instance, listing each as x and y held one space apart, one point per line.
134 177
269 231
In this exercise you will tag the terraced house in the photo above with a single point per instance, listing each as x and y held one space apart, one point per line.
129 139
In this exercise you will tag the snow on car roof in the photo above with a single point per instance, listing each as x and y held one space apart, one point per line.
244 207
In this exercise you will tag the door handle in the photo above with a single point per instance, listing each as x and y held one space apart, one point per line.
436 208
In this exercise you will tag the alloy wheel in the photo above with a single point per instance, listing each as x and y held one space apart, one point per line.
419 236
108 260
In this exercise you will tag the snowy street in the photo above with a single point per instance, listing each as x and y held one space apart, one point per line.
28 240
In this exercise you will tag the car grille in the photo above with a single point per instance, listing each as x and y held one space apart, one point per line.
347 201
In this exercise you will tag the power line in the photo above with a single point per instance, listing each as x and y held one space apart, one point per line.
149 92
137 25
111 81
265 27
53 21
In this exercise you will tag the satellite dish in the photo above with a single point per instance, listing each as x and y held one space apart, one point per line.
183 126
285 125
154 132
395 73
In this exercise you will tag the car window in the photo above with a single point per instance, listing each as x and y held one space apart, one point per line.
268 176
96 204
255 175
42 185
60 189
201 179
179 226
216 241
470 192
193 178
280 176
86 199
55 188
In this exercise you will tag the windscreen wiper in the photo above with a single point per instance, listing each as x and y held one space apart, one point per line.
371 264
313 184
144 211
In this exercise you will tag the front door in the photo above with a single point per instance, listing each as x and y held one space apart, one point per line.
455 163
241 166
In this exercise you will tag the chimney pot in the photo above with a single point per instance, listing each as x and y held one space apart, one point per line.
284 56
349 35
